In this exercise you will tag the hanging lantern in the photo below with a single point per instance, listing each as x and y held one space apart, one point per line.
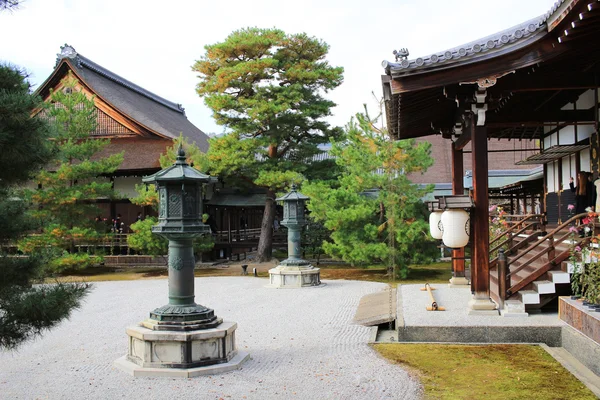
435 224
456 228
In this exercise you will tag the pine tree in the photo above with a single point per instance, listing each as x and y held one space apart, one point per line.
65 205
375 215
266 87
25 310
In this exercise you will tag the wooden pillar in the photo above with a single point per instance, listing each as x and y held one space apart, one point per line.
480 236
458 255
595 141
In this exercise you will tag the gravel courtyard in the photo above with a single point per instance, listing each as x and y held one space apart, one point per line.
301 342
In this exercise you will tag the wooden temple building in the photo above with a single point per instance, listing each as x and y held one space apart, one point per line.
137 122
536 82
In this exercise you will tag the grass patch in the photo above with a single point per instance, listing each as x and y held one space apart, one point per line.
99 274
432 273
487 372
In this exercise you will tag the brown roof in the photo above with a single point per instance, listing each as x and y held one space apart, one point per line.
159 116
140 153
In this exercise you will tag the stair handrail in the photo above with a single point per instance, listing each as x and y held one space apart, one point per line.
541 271
515 225
494 261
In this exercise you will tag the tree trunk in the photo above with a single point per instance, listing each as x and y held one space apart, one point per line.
265 242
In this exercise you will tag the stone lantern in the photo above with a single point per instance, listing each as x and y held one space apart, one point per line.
181 338
294 272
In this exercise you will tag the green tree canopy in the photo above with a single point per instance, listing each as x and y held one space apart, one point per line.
65 204
267 88
26 310
376 213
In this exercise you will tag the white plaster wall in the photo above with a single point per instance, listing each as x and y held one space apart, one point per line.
550 178
568 170
585 159
584 131
125 185
586 100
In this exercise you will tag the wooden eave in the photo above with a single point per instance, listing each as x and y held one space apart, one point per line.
532 83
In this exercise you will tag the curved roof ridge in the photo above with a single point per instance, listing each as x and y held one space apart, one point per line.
514 35
82 61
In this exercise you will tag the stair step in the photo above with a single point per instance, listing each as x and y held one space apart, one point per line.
529 296
560 277
544 287
513 308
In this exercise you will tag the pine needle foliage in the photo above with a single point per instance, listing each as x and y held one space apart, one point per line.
375 214
267 89
65 204
27 306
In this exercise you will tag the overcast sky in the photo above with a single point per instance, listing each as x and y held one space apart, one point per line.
155 43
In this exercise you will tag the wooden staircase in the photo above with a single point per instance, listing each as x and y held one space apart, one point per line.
533 270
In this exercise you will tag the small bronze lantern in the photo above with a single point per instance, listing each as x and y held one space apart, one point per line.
294 220
180 221
294 272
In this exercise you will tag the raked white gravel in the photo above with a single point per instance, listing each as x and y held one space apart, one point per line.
302 344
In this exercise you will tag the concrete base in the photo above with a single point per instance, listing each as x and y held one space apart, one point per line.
293 277
186 351
513 308
459 281
135 370
482 306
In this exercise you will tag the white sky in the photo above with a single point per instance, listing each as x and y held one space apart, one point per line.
154 43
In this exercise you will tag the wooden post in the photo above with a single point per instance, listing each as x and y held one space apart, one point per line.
502 271
458 255
480 236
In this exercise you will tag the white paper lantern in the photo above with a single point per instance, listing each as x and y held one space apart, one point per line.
435 224
456 228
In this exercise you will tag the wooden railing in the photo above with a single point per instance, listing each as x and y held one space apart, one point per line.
517 228
247 235
506 275
510 232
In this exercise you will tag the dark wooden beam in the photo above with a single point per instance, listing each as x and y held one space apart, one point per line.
462 141
458 188
480 235
535 82
542 116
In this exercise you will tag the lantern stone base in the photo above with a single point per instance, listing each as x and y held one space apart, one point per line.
293 277
482 306
181 353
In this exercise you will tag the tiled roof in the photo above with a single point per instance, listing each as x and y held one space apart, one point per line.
159 115
506 40
498 43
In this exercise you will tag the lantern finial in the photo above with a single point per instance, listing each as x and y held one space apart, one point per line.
180 155
294 188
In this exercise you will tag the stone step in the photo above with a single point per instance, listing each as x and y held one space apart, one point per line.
560 277
513 308
529 297
544 287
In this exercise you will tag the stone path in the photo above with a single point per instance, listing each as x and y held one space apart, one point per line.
301 342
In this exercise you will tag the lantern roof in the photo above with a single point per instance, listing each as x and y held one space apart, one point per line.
293 195
180 171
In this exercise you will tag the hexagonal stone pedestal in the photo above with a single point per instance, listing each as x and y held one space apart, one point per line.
286 276
181 353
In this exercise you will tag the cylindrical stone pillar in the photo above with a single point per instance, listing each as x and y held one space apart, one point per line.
181 272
